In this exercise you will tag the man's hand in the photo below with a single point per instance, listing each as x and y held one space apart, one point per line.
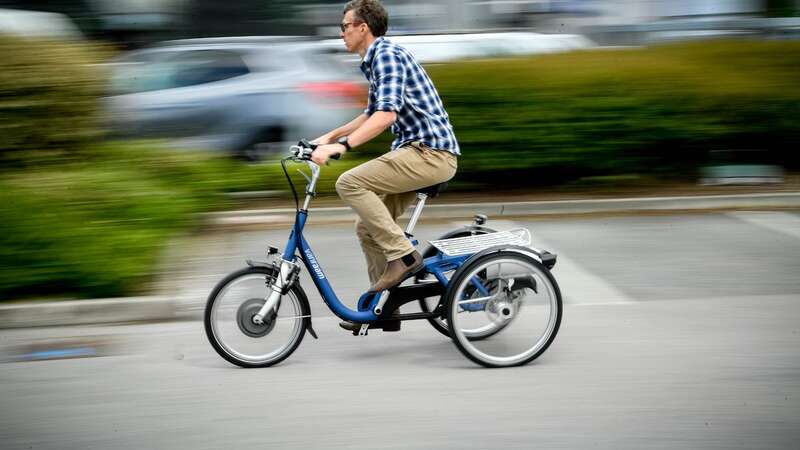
322 140
323 153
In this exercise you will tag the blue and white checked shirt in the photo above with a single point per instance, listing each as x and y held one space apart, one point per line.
398 83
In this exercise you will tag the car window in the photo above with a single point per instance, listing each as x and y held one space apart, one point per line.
207 66
152 71
140 72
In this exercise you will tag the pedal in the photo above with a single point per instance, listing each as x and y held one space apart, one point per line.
362 331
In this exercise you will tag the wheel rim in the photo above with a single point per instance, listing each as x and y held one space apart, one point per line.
523 320
237 302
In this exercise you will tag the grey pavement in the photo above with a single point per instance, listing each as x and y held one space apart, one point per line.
693 373
680 331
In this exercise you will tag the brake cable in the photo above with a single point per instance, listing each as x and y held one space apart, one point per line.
291 185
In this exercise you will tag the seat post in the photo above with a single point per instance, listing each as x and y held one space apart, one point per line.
417 212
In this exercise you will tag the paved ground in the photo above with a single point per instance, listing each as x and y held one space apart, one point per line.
679 332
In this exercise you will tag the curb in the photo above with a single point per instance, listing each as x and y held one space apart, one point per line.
83 312
154 308
284 216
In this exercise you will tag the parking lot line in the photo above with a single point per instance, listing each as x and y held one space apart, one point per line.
786 223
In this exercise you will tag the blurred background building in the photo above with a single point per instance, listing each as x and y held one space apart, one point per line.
133 23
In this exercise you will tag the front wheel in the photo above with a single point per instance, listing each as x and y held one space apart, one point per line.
511 294
231 331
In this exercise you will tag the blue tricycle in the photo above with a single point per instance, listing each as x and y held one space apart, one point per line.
489 291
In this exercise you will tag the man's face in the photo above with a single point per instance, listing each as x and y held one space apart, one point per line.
354 32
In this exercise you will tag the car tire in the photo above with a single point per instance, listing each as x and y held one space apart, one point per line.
266 143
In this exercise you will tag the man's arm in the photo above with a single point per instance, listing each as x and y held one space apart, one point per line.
344 130
390 79
375 125
371 127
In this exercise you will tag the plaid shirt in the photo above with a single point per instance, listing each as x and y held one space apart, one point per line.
398 83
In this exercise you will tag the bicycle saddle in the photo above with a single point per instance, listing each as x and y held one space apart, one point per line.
433 191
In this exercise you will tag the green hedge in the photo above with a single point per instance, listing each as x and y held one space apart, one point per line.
48 98
97 228
655 111
94 229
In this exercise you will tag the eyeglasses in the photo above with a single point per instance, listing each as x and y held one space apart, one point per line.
344 25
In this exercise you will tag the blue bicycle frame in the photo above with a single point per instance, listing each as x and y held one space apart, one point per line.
370 305
437 265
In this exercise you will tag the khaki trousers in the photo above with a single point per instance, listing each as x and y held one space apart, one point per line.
382 189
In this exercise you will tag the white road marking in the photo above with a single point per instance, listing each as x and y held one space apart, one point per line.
578 285
788 224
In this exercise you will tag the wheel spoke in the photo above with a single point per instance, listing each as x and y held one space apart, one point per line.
475 300
279 319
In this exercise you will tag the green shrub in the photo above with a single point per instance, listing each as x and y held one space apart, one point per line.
655 111
97 227
48 98
92 230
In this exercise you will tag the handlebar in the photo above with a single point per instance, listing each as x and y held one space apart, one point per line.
304 148
302 152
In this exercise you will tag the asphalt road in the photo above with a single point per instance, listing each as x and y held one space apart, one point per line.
679 332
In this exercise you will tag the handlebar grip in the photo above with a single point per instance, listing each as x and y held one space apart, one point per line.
306 144
336 156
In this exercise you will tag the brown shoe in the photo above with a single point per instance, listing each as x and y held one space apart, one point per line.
397 271
350 326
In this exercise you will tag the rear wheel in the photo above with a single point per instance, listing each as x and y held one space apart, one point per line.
231 331
510 297
429 304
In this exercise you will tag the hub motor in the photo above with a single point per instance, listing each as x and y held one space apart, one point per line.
244 318
504 306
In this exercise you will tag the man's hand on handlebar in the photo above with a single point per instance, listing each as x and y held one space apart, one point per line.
323 153
322 140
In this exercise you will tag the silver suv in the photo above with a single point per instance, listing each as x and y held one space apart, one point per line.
245 96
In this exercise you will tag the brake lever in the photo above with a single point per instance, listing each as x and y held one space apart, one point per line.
305 143
303 150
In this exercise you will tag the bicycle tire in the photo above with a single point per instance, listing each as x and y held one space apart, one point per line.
296 295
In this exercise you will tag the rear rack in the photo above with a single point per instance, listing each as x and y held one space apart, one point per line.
475 243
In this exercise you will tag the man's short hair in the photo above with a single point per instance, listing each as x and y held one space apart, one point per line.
370 12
